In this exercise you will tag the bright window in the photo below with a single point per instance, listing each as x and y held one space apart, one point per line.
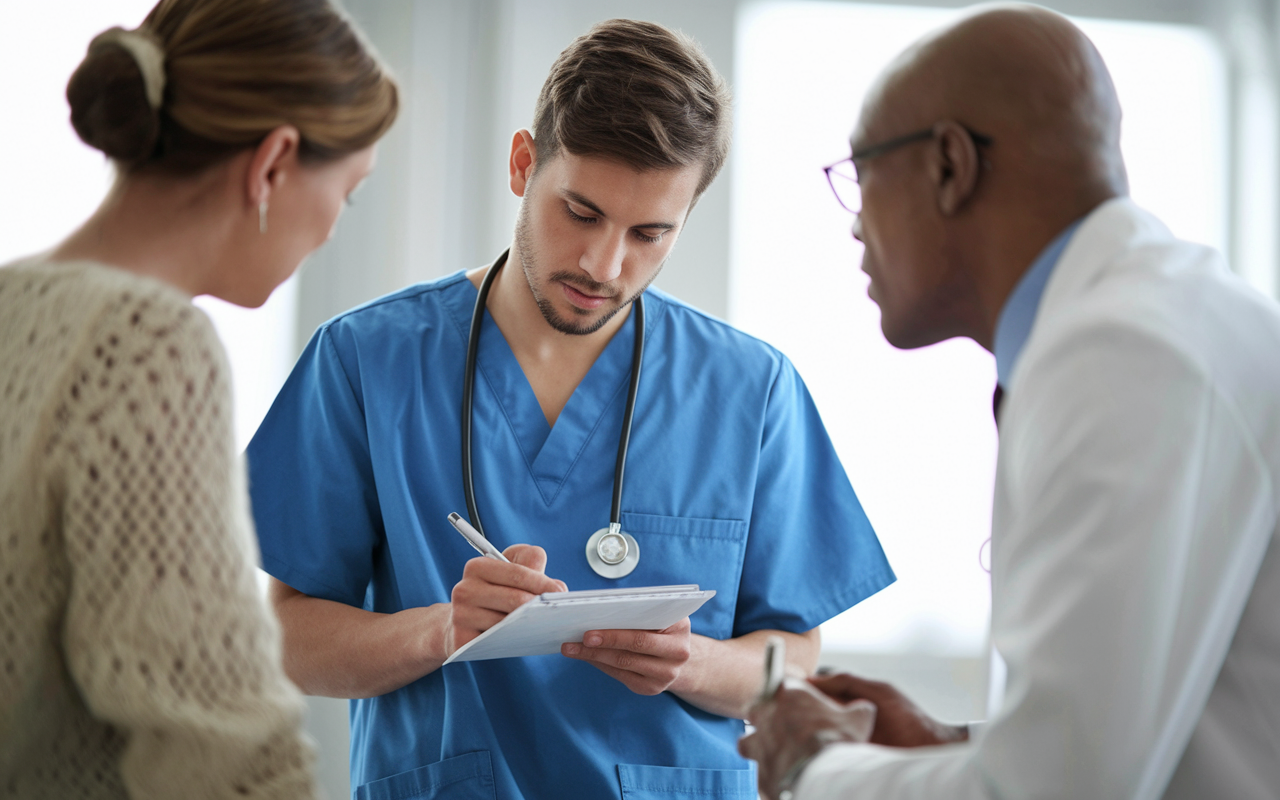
914 429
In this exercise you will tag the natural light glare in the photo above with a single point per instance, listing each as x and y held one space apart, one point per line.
914 429
1172 82
53 181
1256 139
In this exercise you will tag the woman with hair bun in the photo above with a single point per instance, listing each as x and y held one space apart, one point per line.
137 656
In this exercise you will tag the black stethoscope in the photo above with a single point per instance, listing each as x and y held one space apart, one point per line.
611 552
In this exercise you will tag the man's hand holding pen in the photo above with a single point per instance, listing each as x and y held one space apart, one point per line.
490 589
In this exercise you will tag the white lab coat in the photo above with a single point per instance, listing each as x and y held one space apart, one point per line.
1135 570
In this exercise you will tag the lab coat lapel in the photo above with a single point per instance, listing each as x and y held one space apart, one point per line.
1112 232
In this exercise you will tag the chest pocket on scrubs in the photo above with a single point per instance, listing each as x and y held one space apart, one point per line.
682 783
708 552
465 777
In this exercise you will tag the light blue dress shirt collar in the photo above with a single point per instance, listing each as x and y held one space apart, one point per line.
1019 312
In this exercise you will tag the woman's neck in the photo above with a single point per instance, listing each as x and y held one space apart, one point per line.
167 229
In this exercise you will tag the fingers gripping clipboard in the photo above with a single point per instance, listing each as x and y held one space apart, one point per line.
541 625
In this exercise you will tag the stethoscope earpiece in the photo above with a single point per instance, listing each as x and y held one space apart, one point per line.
611 552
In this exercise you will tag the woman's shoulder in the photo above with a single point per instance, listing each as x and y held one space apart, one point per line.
79 302
105 338
30 280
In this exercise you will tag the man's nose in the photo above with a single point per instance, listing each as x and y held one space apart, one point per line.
856 230
603 259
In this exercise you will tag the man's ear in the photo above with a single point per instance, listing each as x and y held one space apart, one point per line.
524 157
954 166
272 161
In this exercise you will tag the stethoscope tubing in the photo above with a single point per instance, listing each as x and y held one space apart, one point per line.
628 413
468 396
468 389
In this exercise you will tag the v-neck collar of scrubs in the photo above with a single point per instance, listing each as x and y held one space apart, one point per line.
550 452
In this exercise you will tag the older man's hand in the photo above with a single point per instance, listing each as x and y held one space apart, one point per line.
793 726
899 722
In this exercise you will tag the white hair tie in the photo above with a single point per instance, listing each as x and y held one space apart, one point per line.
146 52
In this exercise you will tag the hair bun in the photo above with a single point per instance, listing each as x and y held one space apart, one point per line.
111 102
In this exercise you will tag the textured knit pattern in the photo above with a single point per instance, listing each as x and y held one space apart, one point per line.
137 655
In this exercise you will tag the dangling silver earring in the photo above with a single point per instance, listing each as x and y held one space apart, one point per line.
262 217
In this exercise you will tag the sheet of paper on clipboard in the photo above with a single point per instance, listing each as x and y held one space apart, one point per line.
541 625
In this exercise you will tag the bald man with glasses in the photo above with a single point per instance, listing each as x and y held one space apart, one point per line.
1135 566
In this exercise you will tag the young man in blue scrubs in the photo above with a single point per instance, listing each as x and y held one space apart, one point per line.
731 480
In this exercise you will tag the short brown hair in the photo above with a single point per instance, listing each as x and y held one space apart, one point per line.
637 93
234 71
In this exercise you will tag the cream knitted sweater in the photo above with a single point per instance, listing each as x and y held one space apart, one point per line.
137 656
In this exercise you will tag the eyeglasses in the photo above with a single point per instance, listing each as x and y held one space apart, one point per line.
842 176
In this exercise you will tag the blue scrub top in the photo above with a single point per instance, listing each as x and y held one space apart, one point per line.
731 483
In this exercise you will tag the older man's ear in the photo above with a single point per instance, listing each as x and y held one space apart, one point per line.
954 166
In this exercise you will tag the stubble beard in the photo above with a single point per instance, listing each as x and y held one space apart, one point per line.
529 260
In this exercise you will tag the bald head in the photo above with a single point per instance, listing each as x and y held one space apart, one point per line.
1024 76
1013 129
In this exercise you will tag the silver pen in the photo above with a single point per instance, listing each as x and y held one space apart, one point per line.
476 539
775 672
775 667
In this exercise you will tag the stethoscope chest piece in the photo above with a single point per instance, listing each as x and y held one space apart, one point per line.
612 553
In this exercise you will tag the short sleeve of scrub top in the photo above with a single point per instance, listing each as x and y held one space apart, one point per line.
320 477
794 583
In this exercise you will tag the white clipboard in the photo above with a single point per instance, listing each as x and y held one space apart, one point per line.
541 625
